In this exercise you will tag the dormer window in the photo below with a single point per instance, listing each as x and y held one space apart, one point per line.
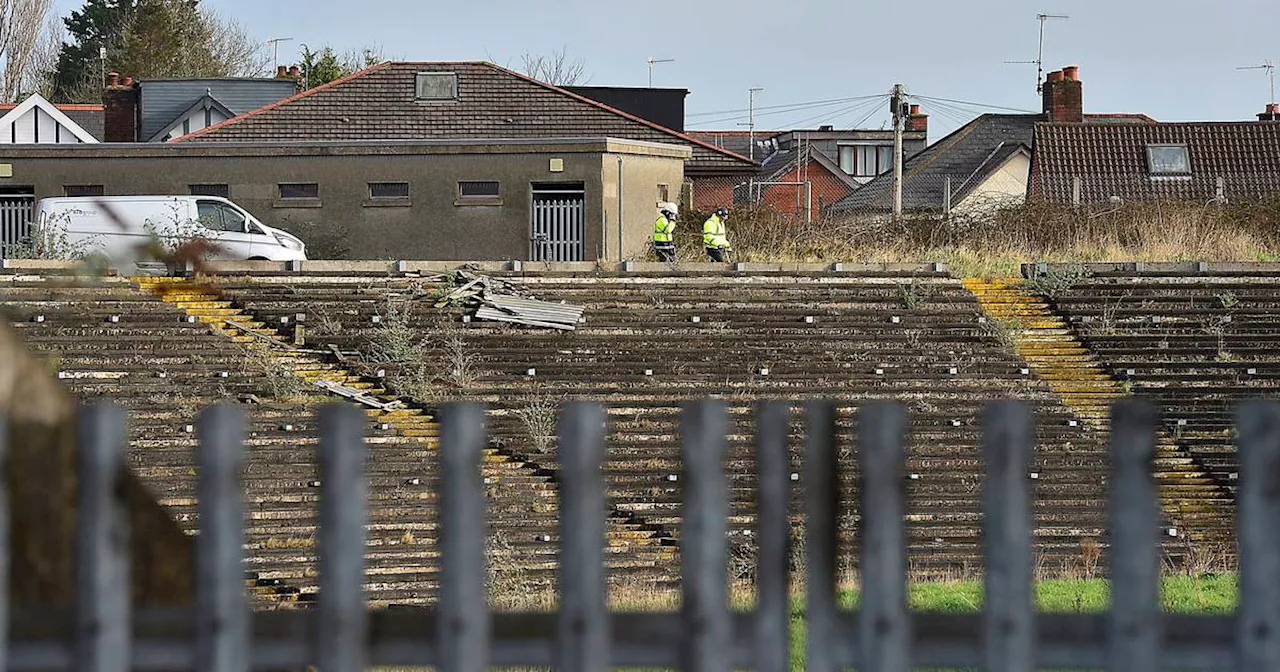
436 86
1168 160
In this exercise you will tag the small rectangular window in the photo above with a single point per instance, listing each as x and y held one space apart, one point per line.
436 86
1168 160
74 190
296 190
388 190
218 190
662 193
486 190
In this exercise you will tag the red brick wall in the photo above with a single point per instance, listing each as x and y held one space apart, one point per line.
120 114
710 193
825 190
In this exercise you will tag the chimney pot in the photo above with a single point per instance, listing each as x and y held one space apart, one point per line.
113 78
282 71
295 72
128 80
1056 76
1071 73
915 109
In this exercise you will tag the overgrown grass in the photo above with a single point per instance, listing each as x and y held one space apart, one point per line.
1205 594
995 241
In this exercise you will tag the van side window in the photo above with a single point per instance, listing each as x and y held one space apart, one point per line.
210 215
218 217
232 220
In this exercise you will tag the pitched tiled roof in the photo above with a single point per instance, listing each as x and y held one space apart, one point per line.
966 156
1111 160
493 102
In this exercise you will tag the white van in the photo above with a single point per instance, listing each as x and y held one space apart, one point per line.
119 227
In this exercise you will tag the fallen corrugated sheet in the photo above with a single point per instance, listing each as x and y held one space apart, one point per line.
500 301
532 312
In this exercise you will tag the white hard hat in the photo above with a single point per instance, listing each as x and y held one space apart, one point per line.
668 207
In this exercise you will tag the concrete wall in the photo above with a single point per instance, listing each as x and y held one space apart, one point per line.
344 222
641 193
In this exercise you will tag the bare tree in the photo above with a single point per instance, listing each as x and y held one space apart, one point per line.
234 52
22 28
37 76
556 69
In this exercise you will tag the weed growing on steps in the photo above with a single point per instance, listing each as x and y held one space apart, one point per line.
538 415
1057 281
271 378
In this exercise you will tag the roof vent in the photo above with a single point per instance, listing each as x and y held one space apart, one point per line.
436 86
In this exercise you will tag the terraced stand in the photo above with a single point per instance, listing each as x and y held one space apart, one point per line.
653 340
1198 510
1197 338
109 341
522 513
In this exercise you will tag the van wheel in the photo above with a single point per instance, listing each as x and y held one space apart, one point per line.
258 259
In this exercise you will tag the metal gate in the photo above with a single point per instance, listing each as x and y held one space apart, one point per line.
558 226
15 221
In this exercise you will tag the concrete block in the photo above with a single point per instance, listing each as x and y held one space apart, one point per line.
628 266
293 266
516 266
402 266
837 267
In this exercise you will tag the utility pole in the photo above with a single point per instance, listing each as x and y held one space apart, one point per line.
102 60
275 46
652 61
900 111
751 120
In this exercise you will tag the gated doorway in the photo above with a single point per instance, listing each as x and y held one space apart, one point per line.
558 228
16 207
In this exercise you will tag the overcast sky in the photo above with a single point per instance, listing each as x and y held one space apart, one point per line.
1172 59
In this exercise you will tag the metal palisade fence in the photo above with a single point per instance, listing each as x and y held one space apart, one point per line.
220 633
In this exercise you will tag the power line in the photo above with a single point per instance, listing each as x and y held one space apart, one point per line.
797 106
852 109
973 104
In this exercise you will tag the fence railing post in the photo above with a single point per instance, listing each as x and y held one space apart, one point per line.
822 511
1008 435
773 535
1257 510
222 617
703 540
464 626
883 627
1134 511
342 618
583 628
103 632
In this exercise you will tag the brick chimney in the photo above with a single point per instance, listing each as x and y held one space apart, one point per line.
916 122
1272 113
1064 96
120 110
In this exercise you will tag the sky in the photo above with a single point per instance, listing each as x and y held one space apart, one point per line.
1175 60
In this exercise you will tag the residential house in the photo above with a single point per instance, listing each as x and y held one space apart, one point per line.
803 170
38 121
1083 163
159 110
984 164
464 100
